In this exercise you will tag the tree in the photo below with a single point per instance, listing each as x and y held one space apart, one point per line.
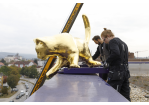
29 71
33 72
35 61
26 71
13 67
3 61
4 90
22 71
12 80
5 70
14 76
16 73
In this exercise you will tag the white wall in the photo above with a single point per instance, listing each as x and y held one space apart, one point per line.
30 64
8 59
10 64
21 65
139 69
41 63
16 65
39 69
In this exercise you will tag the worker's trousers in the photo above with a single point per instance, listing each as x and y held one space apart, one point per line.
122 86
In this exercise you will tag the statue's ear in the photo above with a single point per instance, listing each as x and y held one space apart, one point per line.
37 41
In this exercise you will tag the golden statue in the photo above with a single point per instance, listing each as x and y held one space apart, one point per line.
67 48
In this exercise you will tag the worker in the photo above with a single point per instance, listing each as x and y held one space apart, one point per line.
118 76
102 52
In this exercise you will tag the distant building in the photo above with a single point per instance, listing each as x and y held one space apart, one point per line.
10 64
18 57
131 55
5 85
24 59
22 63
39 68
10 58
1 64
1 82
41 63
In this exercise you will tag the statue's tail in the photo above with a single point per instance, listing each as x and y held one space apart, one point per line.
87 28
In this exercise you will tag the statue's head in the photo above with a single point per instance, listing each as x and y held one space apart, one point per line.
41 49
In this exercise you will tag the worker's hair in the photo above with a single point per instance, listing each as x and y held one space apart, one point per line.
96 37
105 32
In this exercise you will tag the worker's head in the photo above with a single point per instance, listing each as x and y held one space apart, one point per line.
107 35
97 39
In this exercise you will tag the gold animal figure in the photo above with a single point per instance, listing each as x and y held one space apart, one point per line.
67 48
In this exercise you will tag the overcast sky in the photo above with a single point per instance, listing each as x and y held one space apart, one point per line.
21 22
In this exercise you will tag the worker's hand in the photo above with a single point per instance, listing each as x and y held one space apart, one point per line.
102 64
105 65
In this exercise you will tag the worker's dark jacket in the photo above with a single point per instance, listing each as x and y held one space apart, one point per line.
97 53
118 76
115 49
103 54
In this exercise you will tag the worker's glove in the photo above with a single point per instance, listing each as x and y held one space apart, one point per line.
105 65
102 64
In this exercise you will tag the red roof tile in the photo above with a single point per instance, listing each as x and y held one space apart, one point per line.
38 66
1 63
22 62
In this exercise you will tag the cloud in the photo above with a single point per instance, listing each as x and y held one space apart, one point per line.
20 23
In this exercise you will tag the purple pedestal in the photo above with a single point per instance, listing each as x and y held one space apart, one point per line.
84 70
76 88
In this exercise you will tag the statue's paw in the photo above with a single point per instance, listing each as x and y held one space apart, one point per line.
49 73
74 66
47 76
97 64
